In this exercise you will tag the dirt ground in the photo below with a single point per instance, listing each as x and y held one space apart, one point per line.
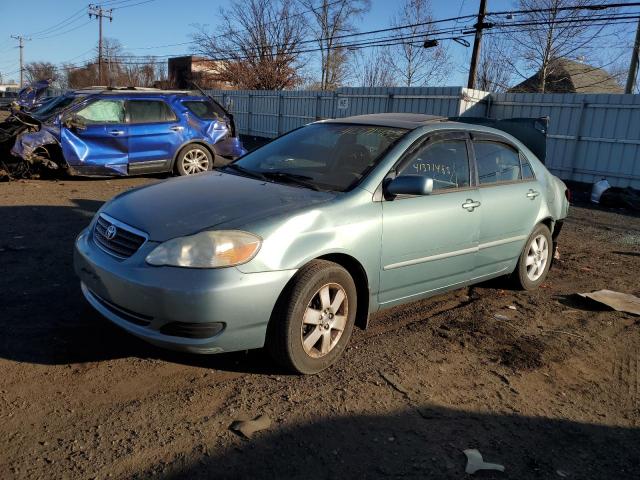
549 389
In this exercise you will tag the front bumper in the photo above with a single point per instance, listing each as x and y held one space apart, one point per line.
143 299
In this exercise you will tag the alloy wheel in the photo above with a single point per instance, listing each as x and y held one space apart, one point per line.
325 318
195 161
537 257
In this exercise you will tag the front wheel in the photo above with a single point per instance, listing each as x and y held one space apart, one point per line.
314 318
535 259
194 159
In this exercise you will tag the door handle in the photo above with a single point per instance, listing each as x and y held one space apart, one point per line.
116 133
531 194
470 205
177 128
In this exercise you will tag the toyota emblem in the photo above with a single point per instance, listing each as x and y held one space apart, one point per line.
111 232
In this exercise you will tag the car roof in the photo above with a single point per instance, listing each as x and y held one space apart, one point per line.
135 91
409 121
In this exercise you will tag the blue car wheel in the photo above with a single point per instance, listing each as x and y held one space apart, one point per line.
194 159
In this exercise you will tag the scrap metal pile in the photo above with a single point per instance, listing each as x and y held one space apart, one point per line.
23 120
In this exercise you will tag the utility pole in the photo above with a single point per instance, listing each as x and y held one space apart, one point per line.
21 39
473 68
100 13
633 66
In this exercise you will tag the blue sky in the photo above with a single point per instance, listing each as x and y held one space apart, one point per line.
161 22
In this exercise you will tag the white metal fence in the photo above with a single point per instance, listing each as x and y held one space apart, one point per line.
590 136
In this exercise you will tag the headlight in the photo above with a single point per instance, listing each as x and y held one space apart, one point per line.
211 249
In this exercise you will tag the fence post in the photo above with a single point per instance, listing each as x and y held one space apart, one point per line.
318 98
574 149
389 102
249 106
279 114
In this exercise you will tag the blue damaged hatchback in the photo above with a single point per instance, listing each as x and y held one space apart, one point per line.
106 132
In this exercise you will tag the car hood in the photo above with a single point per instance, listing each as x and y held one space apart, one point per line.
186 205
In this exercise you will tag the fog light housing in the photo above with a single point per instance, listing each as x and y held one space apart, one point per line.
192 330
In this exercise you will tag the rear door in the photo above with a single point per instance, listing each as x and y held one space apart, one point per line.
510 197
154 135
101 140
430 242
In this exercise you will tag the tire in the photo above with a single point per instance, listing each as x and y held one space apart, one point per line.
193 159
311 344
535 259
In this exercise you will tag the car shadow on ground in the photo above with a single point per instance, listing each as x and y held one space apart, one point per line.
422 442
45 319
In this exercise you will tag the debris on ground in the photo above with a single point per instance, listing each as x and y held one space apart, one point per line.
475 462
622 302
598 189
616 197
249 427
393 381
512 307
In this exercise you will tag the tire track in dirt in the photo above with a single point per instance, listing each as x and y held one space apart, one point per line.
626 377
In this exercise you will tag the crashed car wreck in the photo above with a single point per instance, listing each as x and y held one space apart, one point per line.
124 131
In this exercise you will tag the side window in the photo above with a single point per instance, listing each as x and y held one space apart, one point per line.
527 171
149 111
445 161
497 162
102 111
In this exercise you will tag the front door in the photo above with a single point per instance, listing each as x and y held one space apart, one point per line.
430 242
99 137
154 135
510 197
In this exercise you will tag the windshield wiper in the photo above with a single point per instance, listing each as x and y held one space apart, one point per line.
301 180
244 171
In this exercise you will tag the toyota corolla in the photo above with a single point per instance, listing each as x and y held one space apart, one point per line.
297 242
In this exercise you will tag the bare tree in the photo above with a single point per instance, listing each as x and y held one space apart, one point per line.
494 69
555 34
332 19
257 45
411 63
35 71
371 68
121 69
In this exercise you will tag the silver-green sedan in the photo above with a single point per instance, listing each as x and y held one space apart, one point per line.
297 242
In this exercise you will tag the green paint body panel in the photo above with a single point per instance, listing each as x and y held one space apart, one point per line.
409 247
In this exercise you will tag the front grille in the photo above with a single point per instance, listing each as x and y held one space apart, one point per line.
124 241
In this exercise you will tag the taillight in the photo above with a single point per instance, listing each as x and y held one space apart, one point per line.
567 194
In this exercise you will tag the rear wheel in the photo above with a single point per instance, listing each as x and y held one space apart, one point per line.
194 159
314 318
535 259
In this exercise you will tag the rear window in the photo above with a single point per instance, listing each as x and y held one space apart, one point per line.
497 162
149 111
205 110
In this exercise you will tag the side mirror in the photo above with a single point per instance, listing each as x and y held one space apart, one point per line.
73 122
410 185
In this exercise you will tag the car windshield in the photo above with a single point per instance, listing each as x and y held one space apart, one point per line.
55 106
205 110
323 156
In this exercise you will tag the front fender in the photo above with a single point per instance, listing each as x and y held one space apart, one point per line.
351 225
